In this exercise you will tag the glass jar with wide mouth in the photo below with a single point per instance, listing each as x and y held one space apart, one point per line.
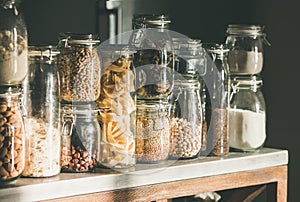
186 120
13 44
79 68
153 59
80 136
152 132
247 114
12 136
117 105
42 117
217 99
246 48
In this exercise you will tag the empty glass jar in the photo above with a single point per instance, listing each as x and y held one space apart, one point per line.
247 114
13 45
42 117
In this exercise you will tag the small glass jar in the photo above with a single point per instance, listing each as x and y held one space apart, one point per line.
153 59
12 136
13 45
247 114
42 115
118 106
152 132
186 120
246 48
80 138
79 68
217 102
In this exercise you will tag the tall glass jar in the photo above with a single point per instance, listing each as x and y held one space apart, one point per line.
186 120
80 138
12 136
247 114
246 48
118 106
154 57
79 68
217 102
152 132
13 45
42 118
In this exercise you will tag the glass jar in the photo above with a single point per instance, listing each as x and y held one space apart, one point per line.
80 138
154 57
12 136
152 132
118 106
186 120
246 48
79 68
13 44
42 118
247 114
217 102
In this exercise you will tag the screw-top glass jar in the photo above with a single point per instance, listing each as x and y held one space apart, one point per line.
117 104
79 68
79 138
154 57
13 45
246 48
12 135
42 117
247 114
152 132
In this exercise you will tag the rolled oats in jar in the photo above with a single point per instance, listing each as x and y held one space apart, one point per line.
79 68
12 136
153 132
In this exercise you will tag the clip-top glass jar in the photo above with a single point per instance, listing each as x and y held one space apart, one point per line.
79 68
152 132
186 120
246 48
13 45
79 138
12 136
247 114
117 104
154 57
217 100
42 118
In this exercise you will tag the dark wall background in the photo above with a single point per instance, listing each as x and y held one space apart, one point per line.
207 20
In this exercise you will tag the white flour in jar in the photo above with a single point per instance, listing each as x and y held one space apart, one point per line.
247 129
245 62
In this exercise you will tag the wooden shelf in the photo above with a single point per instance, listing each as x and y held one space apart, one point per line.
150 182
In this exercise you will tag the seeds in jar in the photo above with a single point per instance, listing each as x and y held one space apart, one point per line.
152 138
219 125
117 115
13 67
11 142
245 62
79 73
43 153
185 139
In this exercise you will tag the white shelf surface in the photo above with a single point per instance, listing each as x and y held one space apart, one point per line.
70 184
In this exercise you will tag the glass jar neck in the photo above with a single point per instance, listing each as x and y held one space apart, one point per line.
152 108
46 54
68 39
151 21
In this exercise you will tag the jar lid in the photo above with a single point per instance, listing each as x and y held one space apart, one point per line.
84 109
240 81
142 20
79 38
48 51
242 29
151 105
